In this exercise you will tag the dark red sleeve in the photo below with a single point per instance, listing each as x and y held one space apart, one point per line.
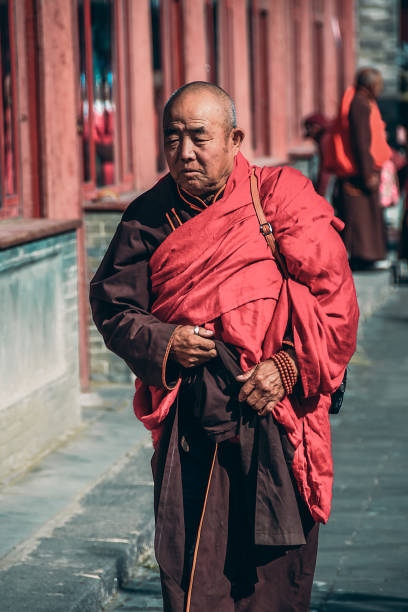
120 301
323 176
360 136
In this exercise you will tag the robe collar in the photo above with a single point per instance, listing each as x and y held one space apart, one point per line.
239 171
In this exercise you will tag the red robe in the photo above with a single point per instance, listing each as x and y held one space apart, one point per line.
216 270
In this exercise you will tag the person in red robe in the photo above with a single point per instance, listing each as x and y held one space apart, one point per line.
235 365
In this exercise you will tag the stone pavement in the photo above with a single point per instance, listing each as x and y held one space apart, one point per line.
80 523
363 553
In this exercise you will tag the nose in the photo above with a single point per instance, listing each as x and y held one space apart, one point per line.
187 150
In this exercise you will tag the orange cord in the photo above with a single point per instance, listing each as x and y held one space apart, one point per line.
170 221
218 193
193 196
176 215
190 586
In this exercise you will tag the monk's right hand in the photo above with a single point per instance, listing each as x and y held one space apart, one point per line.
191 350
373 182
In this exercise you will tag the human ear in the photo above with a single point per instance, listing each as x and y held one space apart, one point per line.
237 136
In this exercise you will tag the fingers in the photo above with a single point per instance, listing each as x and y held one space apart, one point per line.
203 332
262 388
186 337
191 350
189 360
248 387
198 343
246 375
261 403
267 408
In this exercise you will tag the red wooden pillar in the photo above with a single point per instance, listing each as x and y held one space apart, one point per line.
330 80
27 107
58 102
195 56
61 174
240 69
294 29
260 54
172 41
142 120
225 37
306 61
348 32
278 78
234 60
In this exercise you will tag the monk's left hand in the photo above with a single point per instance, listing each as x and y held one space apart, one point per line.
262 388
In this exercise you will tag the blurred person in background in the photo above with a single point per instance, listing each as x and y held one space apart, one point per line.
401 162
316 127
356 153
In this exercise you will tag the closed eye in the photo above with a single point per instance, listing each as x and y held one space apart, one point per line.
172 140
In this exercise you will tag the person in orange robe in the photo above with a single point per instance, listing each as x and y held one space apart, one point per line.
235 365
359 149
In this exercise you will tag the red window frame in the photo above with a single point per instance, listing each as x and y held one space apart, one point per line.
259 58
226 14
211 8
317 54
296 85
168 39
10 204
172 48
122 145
339 41
123 87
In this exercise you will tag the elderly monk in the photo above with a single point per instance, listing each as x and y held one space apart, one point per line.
234 365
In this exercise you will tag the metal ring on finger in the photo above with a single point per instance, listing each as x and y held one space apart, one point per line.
197 330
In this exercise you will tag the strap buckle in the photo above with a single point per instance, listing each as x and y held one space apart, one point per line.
266 229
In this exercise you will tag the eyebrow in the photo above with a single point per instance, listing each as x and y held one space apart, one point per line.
198 130
170 131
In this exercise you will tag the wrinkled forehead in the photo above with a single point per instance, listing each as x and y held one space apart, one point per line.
195 107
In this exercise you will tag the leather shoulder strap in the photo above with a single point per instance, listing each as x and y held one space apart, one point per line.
265 227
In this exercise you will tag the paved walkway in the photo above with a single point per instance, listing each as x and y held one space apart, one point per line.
81 522
363 552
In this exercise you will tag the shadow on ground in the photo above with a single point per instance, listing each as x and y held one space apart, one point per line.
363 602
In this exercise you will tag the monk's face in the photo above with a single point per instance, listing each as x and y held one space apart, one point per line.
378 86
199 149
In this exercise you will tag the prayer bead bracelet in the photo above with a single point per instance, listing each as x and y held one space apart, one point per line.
290 368
286 370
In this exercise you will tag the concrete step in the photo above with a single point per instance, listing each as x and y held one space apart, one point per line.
72 528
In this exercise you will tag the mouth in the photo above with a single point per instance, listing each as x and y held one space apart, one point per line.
189 172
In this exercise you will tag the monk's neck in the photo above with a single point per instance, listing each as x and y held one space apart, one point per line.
366 93
206 198
209 198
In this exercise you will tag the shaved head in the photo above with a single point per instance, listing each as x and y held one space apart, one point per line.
202 87
201 139
370 79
